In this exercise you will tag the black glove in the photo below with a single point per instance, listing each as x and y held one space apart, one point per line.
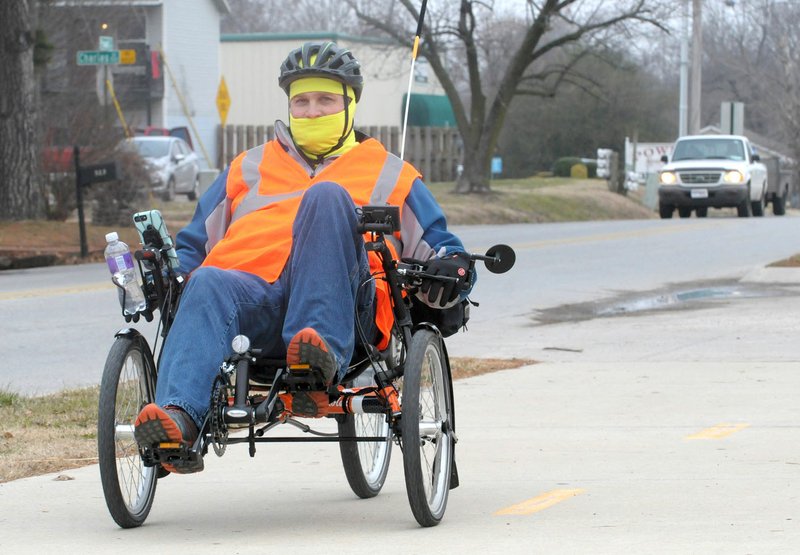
452 265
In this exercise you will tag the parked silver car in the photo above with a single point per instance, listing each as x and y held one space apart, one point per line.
174 166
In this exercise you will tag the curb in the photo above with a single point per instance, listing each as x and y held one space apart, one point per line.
31 258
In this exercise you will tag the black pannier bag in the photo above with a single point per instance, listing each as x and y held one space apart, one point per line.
447 320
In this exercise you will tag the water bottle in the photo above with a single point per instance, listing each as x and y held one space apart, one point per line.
123 273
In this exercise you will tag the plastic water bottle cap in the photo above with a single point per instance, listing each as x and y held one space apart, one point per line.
111 237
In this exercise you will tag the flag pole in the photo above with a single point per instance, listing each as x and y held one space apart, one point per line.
414 51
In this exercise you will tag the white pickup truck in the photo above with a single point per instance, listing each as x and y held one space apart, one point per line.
712 171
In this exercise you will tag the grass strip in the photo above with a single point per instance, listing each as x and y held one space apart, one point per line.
56 432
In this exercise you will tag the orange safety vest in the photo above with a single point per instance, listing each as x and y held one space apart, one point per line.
265 186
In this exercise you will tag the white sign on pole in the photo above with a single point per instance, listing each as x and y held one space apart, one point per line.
731 120
106 43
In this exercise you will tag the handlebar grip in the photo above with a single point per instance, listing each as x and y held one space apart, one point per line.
375 227
144 255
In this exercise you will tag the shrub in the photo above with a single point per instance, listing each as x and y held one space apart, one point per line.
61 195
579 171
563 166
115 202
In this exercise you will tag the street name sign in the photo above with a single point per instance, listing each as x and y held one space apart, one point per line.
97 57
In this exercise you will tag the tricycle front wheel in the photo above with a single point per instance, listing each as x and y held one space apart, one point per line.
128 384
427 428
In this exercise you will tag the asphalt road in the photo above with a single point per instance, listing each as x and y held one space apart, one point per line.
58 323
670 429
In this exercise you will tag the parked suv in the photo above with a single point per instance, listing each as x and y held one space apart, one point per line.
713 171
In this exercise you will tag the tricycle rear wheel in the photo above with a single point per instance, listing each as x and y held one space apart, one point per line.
366 463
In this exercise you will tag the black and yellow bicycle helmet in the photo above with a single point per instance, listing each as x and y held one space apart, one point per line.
322 59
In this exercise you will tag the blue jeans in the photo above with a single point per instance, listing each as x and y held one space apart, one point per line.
318 288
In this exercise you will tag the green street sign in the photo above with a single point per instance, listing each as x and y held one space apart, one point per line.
97 57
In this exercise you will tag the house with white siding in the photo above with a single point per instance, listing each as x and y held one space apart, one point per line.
189 34
174 80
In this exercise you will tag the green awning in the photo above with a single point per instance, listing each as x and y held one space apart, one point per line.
429 110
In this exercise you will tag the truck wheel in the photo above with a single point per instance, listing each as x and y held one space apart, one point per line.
684 212
744 209
702 211
758 207
665 210
779 205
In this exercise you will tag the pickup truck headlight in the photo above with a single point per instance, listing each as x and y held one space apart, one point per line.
733 176
667 178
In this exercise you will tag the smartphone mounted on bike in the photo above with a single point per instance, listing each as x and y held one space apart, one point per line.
153 232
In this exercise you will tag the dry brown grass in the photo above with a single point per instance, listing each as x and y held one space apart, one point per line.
62 239
536 200
39 435
791 262
466 367
47 434
511 201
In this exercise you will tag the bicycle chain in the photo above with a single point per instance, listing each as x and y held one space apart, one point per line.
219 431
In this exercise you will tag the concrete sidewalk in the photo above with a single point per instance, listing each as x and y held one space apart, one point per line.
609 422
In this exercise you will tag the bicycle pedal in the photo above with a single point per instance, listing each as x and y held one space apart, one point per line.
305 375
303 404
180 457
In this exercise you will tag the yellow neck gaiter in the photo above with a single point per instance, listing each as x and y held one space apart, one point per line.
317 136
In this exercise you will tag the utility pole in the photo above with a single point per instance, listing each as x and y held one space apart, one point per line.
695 89
683 109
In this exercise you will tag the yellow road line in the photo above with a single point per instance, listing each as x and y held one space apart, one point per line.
719 431
540 502
54 291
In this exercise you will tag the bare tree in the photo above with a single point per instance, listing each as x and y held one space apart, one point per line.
532 56
756 60
21 191
627 98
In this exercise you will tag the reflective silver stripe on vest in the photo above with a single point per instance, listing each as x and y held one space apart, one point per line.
250 172
387 179
253 201
217 223
252 178
385 184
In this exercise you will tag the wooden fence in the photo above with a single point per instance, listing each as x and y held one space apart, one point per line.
434 151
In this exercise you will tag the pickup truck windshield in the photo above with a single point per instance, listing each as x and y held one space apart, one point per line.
704 149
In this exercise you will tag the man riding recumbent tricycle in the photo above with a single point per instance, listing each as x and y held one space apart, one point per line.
400 394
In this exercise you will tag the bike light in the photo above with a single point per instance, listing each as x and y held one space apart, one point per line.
240 344
733 176
667 178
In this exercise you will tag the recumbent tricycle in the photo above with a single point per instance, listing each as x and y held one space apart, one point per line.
401 395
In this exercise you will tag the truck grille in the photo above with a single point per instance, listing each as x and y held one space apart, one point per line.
699 177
